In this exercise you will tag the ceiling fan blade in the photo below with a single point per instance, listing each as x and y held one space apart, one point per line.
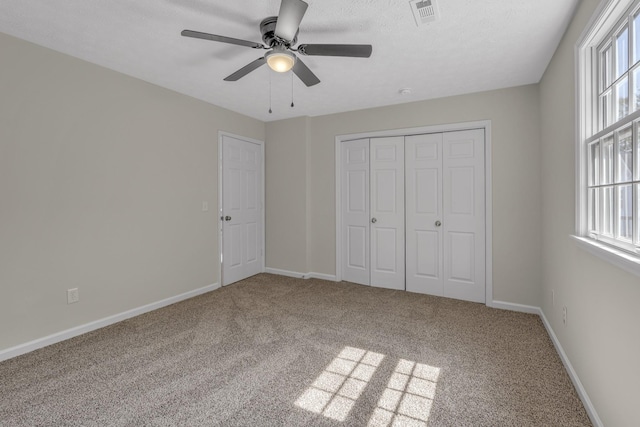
223 39
246 70
304 73
289 18
351 50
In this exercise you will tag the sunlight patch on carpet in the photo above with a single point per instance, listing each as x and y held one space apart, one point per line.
409 395
339 386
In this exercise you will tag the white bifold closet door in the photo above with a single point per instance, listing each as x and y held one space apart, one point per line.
413 213
446 214
373 212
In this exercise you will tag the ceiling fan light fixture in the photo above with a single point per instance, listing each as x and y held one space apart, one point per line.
280 60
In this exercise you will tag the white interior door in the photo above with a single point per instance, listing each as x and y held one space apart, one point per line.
355 211
424 214
464 215
241 209
387 212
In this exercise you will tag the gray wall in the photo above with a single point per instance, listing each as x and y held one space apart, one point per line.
286 194
601 337
516 181
102 179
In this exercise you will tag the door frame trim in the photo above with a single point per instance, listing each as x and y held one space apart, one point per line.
452 127
221 135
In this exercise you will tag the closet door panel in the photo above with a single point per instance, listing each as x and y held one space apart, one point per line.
355 212
464 215
424 260
387 212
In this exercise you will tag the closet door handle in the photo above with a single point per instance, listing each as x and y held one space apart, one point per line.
227 218
373 220
438 223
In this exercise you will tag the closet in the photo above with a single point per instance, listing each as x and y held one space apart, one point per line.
413 213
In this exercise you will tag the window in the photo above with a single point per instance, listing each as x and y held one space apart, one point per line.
609 139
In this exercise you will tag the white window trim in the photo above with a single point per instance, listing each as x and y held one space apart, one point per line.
605 17
622 259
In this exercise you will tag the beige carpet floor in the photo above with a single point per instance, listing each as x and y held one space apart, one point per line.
275 351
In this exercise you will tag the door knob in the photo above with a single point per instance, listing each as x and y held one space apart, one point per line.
373 220
227 218
438 223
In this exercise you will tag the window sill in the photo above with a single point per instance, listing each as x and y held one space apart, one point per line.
619 258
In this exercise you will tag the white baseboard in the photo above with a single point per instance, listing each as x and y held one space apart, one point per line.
514 307
591 410
321 276
299 275
101 323
286 273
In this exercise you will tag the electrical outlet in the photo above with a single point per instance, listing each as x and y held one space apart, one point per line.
205 206
564 315
73 295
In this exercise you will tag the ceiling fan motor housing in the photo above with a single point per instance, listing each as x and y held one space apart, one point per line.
268 29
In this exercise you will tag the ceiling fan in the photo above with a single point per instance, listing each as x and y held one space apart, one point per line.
280 34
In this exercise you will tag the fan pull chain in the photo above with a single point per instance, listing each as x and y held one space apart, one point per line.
292 105
270 92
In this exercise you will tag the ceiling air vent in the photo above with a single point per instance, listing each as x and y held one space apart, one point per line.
424 11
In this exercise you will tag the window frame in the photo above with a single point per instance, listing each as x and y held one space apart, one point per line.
611 18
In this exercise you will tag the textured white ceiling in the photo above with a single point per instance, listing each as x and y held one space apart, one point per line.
476 45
